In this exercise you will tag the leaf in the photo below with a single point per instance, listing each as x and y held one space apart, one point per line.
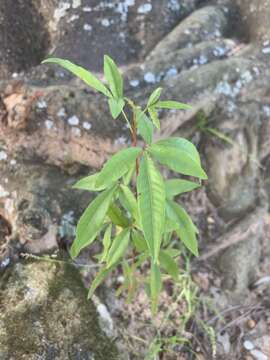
145 127
139 241
220 135
102 274
169 264
113 76
117 217
119 246
128 176
186 230
175 187
155 286
81 73
106 242
88 183
151 203
182 144
154 97
128 200
91 221
177 159
116 107
154 116
117 166
172 105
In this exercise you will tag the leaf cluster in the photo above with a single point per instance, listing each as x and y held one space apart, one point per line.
135 212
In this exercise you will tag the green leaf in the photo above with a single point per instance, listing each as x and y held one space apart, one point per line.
151 203
101 276
81 73
88 183
155 286
139 241
169 264
113 76
116 107
154 116
128 176
117 217
91 221
129 202
175 187
172 105
117 166
154 97
145 127
187 230
119 246
177 158
106 242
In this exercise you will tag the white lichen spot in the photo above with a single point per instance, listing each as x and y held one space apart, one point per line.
105 22
15 75
3 192
87 27
5 263
87 9
248 345
49 124
219 51
87 125
134 82
120 141
76 131
41 104
266 110
201 60
123 7
173 5
266 43
73 120
73 18
187 32
67 226
144 8
61 11
256 70
76 4
247 76
62 113
13 162
217 33
171 72
3 155
106 321
149 77
266 50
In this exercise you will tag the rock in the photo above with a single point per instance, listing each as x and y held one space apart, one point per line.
258 355
45 315
248 345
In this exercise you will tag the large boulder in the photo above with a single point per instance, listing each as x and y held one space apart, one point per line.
45 315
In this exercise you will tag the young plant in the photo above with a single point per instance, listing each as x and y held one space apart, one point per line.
137 222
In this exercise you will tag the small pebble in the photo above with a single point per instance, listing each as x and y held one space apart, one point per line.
251 323
144 8
3 155
87 125
258 355
73 120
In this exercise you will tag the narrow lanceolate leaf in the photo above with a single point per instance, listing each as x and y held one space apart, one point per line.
81 73
176 187
154 97
101 276
113 76
117 166
172 105
186 230
88 183
129 202
139 241
91 221
151 203
117 217
154 117
155 286
145 127
177 158
118 248
106 242
116 107
169 264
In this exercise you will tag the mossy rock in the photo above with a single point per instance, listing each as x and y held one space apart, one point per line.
45 315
